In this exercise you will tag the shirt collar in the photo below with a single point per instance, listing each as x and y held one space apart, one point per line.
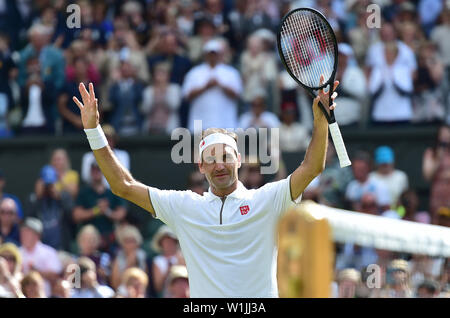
239 193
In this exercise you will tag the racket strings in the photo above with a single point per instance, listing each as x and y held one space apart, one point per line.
307 47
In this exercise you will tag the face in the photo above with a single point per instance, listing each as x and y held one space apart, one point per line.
129 244
258 106
28 237
385 168
32 290
360 170
8 215
96 174
136 289
212 58
179 288
10 260
168 245
87 243
59 160
161 75
220 166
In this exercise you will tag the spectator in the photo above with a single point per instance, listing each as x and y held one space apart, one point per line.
363 184
397 285
7 68
250 174
166 244
392 65
197 182
428 289
352 88
61 289
133 283
90 287
125 96
440 32
168 51
88 158
205 30
68 179
294 137
214 11
348 280
428 97
129 254
258 117
36 256
436 169
54 210
10 274
97 205
178 282
161 101
258 68
4 195
9 222
33 285
69 111
88 241
396 181
213 89
408 208
79 49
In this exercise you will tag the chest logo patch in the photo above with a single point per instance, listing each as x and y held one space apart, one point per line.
244 209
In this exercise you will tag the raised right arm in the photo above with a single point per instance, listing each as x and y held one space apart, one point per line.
119 178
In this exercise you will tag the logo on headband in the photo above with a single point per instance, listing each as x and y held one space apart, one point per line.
203 142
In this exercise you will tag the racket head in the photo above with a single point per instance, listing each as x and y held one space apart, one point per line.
308 48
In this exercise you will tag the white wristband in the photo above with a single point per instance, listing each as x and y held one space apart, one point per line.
96 137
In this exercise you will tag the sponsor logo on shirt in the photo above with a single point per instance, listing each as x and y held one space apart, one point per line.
244 209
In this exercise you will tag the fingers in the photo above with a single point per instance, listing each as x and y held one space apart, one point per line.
79 104
84 93
336 84
91 91
333 106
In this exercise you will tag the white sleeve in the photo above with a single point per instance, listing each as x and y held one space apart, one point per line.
88 159
278 193
167 204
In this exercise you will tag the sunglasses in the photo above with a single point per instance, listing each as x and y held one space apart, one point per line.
10 212
9 258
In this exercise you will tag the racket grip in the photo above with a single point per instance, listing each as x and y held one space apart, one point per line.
339 145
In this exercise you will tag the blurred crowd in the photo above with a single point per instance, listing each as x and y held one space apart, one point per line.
161 64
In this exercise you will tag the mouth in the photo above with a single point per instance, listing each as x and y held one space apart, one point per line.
221 175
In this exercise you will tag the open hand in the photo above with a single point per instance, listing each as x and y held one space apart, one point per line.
89 107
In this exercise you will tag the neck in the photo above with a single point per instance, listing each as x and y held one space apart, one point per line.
224 192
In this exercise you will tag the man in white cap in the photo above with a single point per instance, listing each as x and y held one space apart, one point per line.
213 89
228 236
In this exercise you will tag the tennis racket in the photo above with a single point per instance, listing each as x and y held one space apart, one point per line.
308 49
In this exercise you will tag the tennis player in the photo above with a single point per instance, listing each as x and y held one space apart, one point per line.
228 236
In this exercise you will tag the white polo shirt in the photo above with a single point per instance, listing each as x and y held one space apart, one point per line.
235 258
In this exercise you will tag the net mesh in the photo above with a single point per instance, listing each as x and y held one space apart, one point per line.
307 46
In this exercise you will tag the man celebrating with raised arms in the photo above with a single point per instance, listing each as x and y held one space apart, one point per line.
228 236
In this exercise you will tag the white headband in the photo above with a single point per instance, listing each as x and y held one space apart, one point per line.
217 138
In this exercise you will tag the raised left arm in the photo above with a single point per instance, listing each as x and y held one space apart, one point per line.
315 157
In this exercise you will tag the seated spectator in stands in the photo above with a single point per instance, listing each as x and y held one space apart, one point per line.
160 102
37 98
97 205
395 180
348 281
90 287
125 96
215 11
50 57
436 169
4 195
88 241
69 111
178 282
428 289
10 271
407 208
439 32
54 210
213 89
166 244
329 187
134 283
88 158
352 88
294 137
7 68
129 254
204 30
61 289
33 285
9 222
168 50
37 256
258 116
197 182
250 174
362 184
397 280
77 50
258 68
68 179
392 65
429 104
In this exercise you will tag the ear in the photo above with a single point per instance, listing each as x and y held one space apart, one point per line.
239 160
200 167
